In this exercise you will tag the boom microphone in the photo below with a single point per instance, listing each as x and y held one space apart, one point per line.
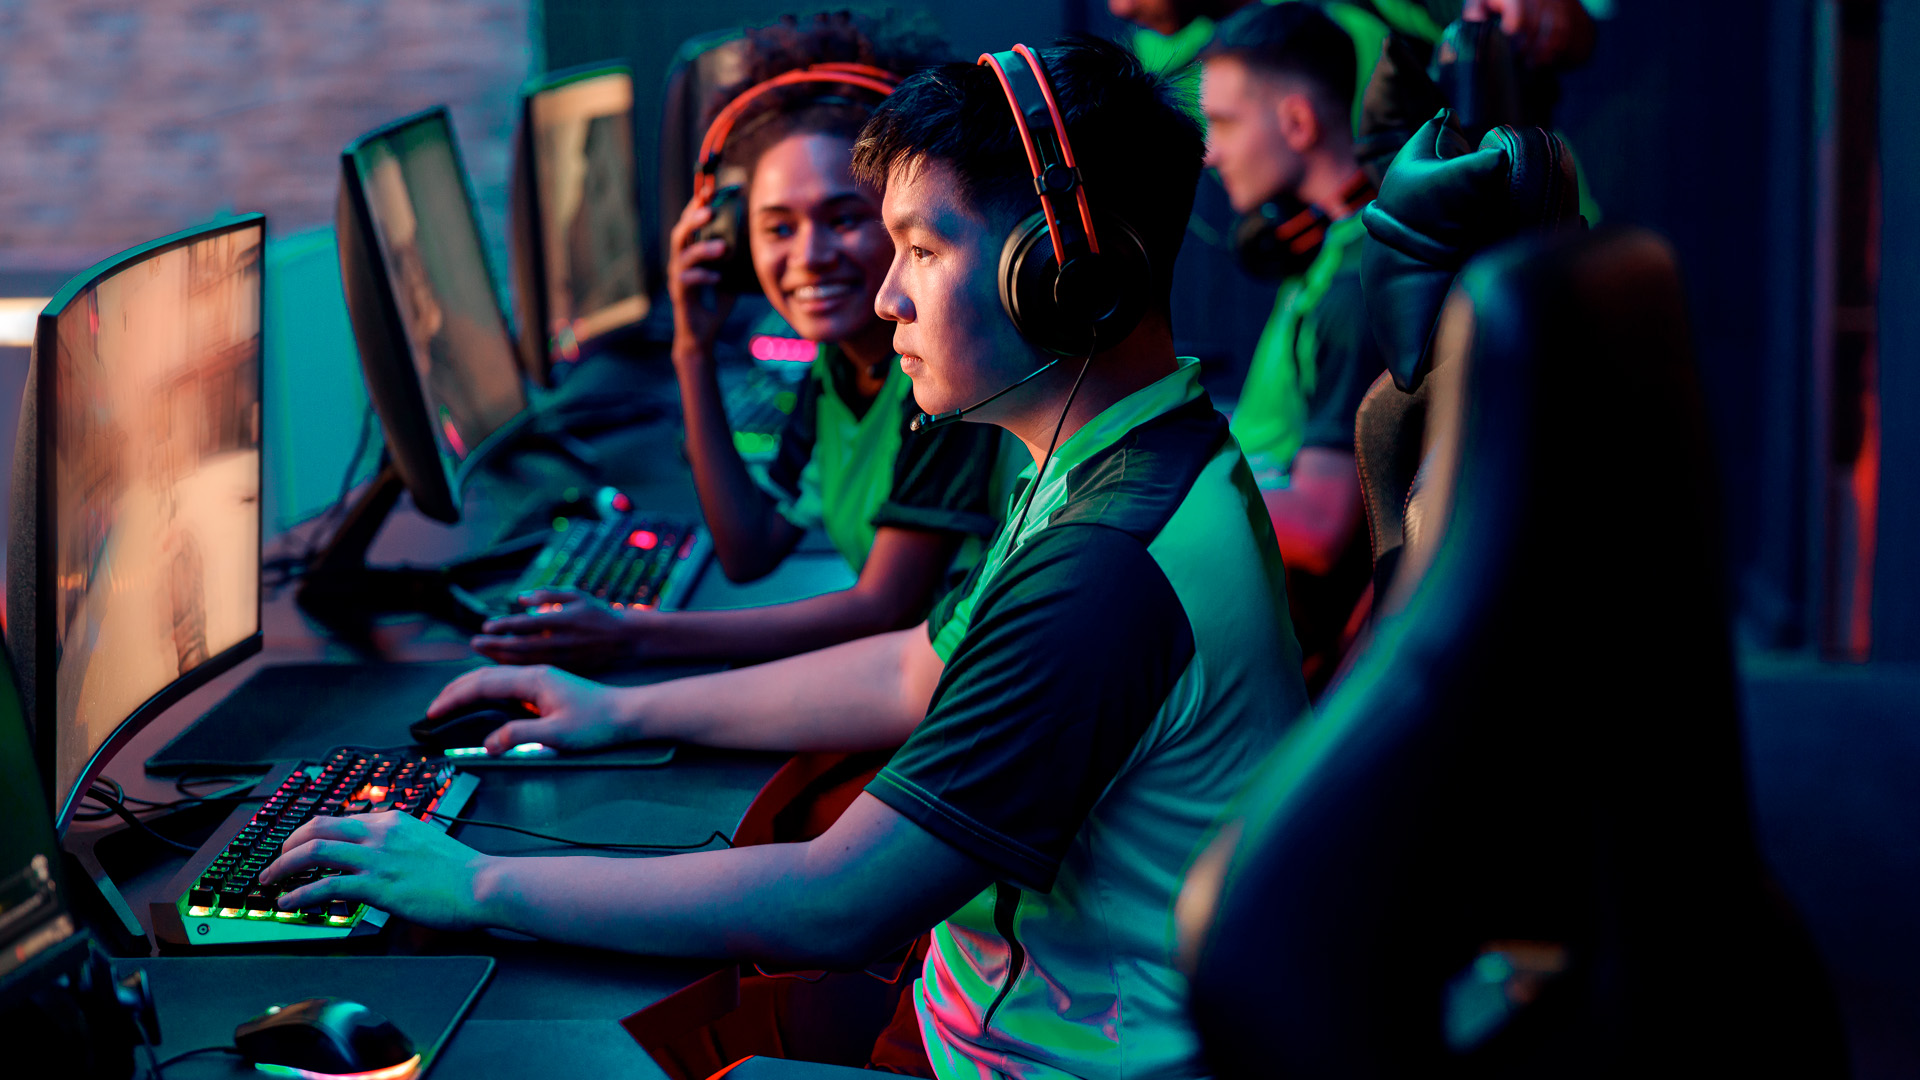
925 420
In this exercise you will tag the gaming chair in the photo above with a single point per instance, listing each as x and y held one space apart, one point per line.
1516 840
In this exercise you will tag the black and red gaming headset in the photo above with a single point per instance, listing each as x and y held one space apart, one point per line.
1073 282
1282 236
729 203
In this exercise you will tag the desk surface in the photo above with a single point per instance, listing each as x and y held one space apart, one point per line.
547 1008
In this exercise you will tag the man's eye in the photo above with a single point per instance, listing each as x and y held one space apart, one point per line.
779 229
847 222
919 253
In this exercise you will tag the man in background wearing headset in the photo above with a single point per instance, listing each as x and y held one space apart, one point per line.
1075 718
1275 89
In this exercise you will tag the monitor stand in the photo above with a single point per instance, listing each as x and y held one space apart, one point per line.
346 595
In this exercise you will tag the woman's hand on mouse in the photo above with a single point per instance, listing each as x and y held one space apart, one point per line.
575 713
699 307
394 861
567 628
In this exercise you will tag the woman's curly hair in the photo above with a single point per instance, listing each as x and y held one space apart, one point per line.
889 41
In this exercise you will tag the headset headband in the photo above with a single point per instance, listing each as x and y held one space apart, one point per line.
865 76
1035 115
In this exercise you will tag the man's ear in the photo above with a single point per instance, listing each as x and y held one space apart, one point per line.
1299 124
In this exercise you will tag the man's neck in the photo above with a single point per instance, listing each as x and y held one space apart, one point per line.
1144 358
1326 181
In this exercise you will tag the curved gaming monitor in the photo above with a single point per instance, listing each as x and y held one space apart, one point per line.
577 272
439 364
134 561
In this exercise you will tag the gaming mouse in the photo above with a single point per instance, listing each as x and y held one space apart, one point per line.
469 726
324 1037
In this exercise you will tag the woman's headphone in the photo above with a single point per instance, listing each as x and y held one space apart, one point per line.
1069 287
729 203
1282 237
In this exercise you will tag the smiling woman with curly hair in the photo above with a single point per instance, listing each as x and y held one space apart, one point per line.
909 511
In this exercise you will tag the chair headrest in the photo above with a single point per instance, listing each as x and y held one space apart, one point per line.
1441 203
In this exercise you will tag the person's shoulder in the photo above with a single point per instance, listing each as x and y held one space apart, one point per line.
1136 484
1087 581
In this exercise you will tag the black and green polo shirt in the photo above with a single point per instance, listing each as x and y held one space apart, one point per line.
851 466
1113 675
1313 362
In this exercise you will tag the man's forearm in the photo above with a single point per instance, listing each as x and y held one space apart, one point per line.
703 904
864 695
872 882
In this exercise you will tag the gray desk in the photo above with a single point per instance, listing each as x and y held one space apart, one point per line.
548 1010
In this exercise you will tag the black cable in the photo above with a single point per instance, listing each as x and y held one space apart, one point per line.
153 1059
289 566
107 788
1040 474
120 810
185 1054
450 819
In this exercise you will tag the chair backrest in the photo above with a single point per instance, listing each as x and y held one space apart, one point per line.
1386 450
1515 840
701 68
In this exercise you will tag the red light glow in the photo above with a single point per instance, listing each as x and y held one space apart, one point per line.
643 539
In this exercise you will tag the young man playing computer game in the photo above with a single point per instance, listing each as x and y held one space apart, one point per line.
1075 718
909 511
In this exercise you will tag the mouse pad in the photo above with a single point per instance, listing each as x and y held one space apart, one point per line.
290 711
201 999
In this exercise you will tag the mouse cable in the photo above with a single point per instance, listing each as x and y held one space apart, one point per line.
451 820
185 1054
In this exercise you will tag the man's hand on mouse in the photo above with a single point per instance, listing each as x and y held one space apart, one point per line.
575 713
394 861
572 629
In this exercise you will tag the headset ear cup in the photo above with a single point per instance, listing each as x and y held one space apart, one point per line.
1031 294
1544 189
729 225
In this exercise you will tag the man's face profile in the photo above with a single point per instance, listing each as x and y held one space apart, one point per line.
942 294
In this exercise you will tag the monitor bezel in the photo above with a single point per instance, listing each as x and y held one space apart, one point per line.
46 422
531 229
439 497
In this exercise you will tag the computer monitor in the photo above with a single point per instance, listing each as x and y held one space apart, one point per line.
578 281
434 348
134 562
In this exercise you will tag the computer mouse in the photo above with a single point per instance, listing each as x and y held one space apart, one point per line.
324 1037
469 726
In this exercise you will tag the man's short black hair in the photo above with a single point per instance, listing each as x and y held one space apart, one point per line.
1133 132
1292 40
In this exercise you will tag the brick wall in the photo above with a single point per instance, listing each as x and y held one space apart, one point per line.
123 120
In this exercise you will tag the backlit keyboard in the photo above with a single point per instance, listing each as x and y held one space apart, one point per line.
627 560
227 904
757 411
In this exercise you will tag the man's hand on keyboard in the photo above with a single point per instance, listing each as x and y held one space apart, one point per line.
394 861
564 627
575 713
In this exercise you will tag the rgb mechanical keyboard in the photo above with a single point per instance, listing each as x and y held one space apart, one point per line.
757 411
227 904
625 559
